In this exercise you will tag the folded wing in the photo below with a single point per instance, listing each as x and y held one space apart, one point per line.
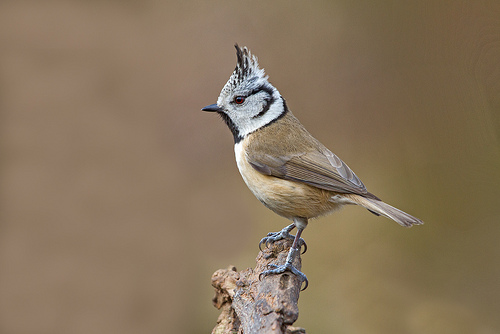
321 169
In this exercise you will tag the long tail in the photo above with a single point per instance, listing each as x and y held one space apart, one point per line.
380 208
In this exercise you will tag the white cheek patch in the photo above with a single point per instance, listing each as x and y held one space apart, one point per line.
248 125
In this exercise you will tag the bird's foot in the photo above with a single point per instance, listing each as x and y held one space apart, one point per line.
283 268
283 234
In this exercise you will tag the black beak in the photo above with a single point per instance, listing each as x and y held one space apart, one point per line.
213 108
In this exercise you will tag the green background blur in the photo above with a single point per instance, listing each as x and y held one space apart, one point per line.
120 198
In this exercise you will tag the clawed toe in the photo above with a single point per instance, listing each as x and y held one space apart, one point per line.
303 243
275 236
283 268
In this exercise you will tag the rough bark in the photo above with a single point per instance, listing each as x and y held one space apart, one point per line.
249 305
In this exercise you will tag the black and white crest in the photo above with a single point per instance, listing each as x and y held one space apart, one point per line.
247 70
247 64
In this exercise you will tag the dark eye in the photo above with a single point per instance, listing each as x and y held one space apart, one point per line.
239 99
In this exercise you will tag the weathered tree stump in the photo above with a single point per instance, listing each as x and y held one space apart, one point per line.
249 305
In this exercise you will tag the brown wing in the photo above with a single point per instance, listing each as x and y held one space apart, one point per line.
321 169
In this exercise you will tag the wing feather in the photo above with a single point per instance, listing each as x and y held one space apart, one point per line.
321 169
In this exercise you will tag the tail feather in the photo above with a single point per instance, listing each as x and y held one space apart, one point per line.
380 208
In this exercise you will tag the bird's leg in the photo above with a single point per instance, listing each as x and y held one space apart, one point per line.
288 266
283 234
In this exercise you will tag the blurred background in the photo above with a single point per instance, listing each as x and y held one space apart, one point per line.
119 197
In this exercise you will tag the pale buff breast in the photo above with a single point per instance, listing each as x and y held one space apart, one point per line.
286 198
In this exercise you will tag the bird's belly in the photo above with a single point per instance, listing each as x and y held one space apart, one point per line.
290 199
286 198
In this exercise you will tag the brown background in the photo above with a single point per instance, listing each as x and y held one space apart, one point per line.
120 198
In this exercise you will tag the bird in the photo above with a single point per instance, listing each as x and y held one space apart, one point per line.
283 165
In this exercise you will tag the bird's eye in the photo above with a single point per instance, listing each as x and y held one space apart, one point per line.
239 99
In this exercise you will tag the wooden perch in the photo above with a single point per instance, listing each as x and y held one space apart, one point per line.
249 305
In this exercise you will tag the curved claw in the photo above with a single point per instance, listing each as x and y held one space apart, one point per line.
272 237
260 244
303 243
267 272
268 240
281 269
307 284
275 236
